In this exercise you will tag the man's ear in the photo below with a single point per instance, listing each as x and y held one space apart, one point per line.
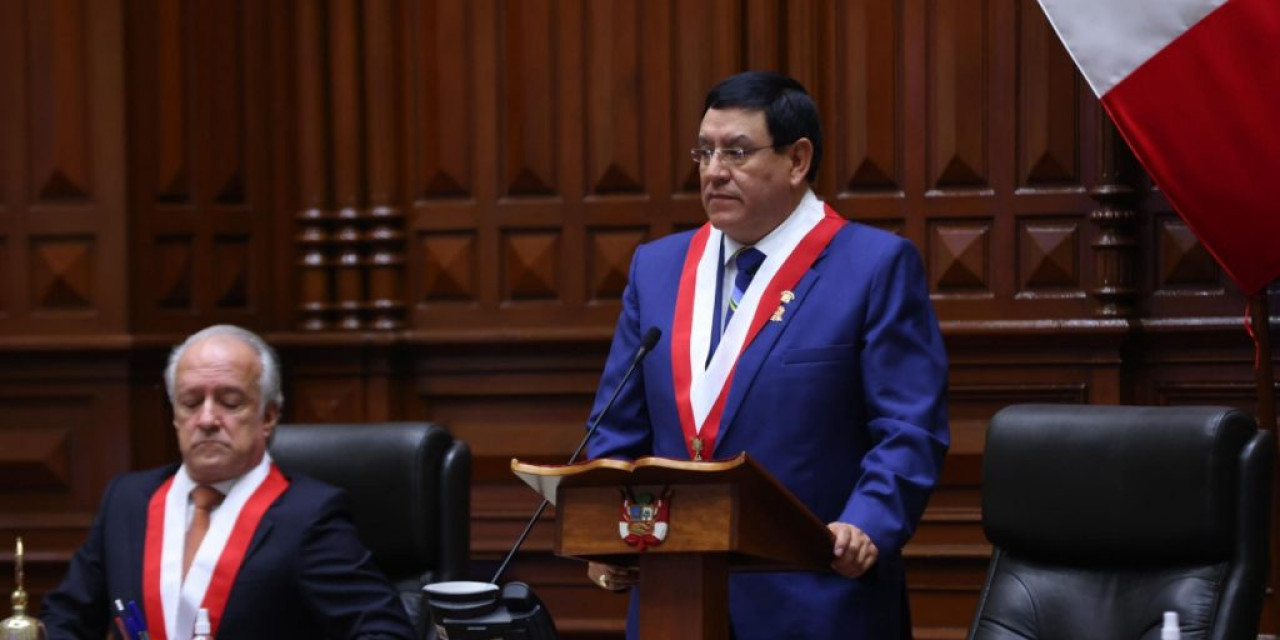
269 419
801 156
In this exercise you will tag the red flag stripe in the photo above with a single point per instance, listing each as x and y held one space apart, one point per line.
1202 116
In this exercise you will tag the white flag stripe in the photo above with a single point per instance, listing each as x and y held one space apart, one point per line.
1108 39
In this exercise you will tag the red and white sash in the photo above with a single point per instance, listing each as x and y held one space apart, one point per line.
701 392
171 602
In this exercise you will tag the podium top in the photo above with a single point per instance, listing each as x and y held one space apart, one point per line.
545 479
733 506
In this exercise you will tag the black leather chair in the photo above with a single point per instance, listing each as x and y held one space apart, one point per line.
1104 517
408 485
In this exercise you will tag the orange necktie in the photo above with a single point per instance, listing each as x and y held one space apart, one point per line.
205 498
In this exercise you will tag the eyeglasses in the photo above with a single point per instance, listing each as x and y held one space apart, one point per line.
732 156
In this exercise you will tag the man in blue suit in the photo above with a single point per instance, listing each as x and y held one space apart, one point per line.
805 340
266 555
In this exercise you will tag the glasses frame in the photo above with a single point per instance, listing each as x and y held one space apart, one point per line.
729 156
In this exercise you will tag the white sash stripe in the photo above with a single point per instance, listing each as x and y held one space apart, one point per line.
180 600
706 384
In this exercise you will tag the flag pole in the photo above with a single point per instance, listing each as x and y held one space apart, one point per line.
1264 373
1264 377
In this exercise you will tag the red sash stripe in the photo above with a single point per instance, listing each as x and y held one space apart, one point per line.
681 328
151 562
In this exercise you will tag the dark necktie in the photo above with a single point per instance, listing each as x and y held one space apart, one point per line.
748 260
205 499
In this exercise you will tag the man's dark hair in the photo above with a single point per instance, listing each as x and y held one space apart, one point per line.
789 112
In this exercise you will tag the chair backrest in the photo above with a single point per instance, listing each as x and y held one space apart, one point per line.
408 487
1104 517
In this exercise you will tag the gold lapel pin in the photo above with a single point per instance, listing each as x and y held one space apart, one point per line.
787 296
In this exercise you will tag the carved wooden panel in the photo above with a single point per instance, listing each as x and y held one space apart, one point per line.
609 261
64 432
958 85
706 46
62 190
866 117
960 257
1048 104
529 82
615 136
446 101
450 267
59 141
1183 262
1049 257
531 266
199 185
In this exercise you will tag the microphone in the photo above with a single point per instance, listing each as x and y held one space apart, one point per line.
647 343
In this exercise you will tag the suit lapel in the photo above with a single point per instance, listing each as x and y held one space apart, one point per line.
757 353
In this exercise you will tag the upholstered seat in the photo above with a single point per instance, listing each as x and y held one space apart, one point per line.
408 485
1104 517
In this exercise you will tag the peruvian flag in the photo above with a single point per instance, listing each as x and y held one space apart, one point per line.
1194 87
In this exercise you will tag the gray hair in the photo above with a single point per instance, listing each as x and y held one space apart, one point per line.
269 388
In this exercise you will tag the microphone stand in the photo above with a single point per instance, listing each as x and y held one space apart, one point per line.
647 343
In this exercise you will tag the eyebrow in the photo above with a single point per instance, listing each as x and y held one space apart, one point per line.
737 140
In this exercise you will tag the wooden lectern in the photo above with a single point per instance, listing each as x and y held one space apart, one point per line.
723 516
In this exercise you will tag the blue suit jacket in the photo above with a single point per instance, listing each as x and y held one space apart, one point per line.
305 574
843 401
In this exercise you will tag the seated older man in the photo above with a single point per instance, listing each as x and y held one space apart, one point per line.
267 555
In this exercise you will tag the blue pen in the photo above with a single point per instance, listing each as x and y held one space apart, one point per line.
124 621
139 622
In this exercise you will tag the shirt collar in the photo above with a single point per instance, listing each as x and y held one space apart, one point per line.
184 482
809 206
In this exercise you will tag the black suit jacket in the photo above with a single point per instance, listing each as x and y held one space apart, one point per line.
305 575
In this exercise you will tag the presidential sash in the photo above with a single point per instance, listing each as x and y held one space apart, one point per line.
163 587
701 392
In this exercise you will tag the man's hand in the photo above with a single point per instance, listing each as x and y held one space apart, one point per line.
612 578
854 552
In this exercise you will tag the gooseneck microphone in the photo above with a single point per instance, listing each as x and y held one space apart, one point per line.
647 343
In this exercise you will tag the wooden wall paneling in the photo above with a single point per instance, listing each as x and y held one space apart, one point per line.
516 401
199 165
346 100
339 380
242 231
864 123
315 260
707 45
162 180
1048 97
763 26
12 156
1052 261
384 49
539 207
627 149
957 214
959 82
452 245
63 228
58 448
